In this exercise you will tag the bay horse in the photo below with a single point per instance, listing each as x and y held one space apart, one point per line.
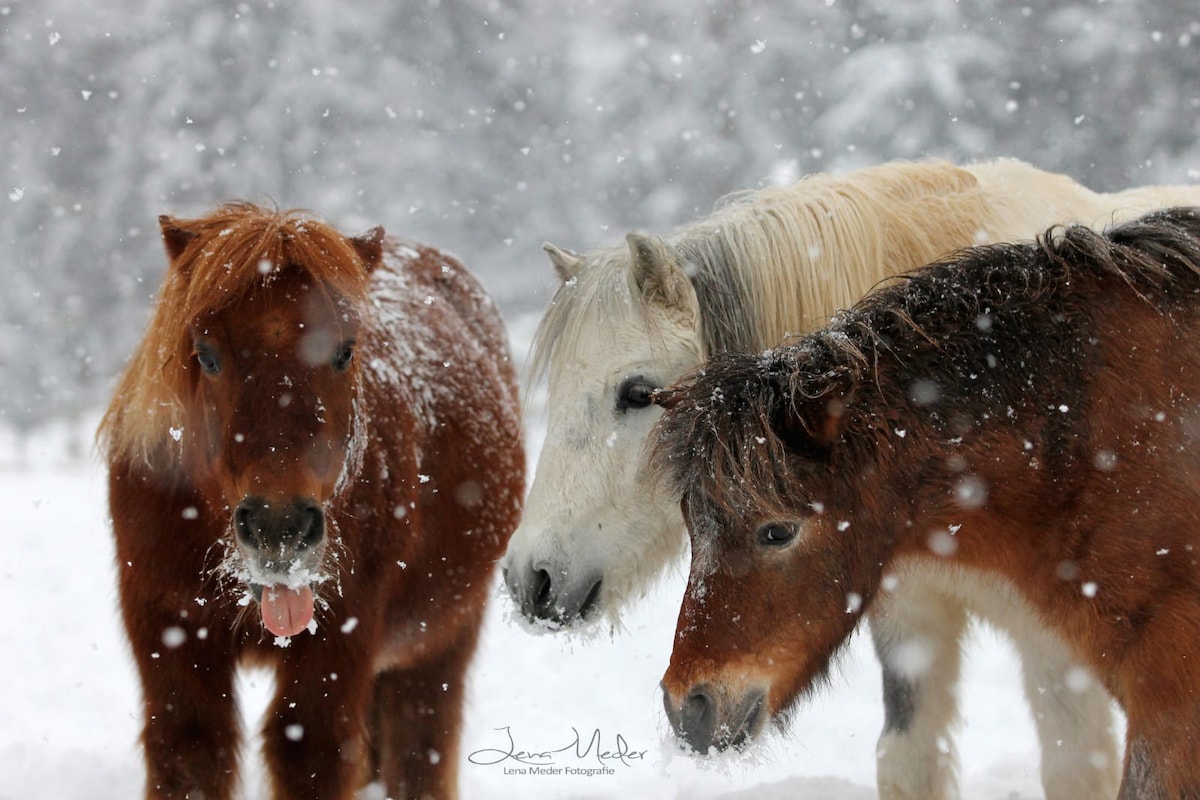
1017 426
629 319
315 460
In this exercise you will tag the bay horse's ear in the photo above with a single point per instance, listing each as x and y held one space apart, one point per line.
369 247
566 262
657 273
812 426
175 239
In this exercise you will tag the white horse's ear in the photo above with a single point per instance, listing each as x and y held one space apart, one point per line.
657 273
566 262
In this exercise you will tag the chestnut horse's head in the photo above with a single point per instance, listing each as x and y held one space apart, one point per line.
774 586
258 322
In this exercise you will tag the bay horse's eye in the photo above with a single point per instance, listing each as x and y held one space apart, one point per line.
343 356
207 358
777 534
635 392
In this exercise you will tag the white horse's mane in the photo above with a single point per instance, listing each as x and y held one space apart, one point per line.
779 260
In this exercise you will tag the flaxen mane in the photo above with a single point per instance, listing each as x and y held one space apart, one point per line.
237 249
735 441
770 262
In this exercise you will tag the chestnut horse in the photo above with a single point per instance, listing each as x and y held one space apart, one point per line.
1016 425
315 460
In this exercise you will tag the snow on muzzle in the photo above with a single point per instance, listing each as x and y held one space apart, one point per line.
282 542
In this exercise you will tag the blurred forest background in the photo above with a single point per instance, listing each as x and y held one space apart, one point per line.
486 126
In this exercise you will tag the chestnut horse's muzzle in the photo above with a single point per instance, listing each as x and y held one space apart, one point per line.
279 533
706 720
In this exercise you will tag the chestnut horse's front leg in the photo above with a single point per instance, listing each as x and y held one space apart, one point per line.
314 734
417 721
191 734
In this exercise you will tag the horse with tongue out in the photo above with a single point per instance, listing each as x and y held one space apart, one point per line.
323 430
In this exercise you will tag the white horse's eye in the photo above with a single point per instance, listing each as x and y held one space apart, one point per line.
636 392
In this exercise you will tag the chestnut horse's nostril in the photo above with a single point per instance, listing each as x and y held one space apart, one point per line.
276 526
310 524
245 522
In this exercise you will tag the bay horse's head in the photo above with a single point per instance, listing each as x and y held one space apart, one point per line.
261 314
773 588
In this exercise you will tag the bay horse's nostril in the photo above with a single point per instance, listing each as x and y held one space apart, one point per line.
695 720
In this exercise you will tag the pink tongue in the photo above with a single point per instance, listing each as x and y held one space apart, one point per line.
286 612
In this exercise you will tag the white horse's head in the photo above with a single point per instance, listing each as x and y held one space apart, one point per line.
596 528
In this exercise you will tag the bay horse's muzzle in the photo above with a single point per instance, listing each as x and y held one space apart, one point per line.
279 531
705 722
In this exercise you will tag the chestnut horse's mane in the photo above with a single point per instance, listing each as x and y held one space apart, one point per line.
729 437
237 249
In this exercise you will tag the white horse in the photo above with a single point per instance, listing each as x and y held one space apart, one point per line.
629 319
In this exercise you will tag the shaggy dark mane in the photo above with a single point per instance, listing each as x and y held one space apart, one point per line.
984 334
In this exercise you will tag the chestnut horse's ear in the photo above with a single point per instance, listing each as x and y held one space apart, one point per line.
369 247
175 239
657 273
566 262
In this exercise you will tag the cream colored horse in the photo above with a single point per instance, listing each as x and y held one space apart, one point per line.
629 319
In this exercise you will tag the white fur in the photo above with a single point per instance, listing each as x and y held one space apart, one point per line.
924 611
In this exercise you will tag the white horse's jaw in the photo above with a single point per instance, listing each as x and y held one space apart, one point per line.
581 553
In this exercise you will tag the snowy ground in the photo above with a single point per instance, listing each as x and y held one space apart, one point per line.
68 726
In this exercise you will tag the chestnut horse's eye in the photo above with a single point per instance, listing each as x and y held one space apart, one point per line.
635 392
777 534
207 358
343 356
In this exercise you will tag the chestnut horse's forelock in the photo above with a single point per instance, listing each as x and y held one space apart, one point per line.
226 255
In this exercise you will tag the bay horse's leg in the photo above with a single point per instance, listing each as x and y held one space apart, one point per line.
314 733
418 720
917 637
1074 719
191 736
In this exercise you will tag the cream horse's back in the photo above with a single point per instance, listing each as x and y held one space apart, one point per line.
628 319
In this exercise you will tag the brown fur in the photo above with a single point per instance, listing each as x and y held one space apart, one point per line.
413 453
1020 414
